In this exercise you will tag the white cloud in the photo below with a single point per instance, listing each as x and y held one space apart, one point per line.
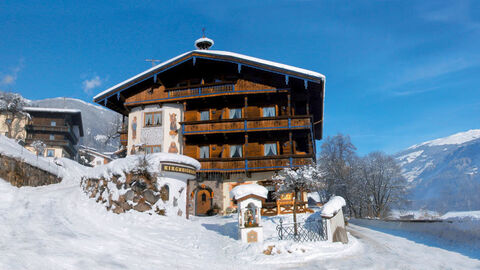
92 83
11 77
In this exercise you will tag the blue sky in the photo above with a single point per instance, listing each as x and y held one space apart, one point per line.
398 72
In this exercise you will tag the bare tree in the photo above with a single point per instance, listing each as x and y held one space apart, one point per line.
39 147
385 184
11 105
298 180
339 162
114 129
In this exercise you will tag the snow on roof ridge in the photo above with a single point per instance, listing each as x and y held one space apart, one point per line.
241 191
43 109
215 52
457 138
333 205
75 99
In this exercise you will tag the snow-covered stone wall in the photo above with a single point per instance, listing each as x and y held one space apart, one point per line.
19 173
154 183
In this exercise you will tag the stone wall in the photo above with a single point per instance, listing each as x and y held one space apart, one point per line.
132 191
19 173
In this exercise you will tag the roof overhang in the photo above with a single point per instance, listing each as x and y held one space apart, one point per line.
239 59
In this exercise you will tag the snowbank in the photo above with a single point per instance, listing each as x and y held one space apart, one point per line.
333 206
241 191
131 163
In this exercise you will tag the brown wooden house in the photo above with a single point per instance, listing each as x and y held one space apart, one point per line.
59 129
242 117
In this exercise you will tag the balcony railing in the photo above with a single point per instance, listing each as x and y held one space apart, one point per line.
253 163
246 124
201 90
62 143
61 129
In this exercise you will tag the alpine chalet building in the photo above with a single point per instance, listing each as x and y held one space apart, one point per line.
242 117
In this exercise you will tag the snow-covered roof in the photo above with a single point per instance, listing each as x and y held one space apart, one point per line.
94 152
52 110
333 206
217 55
241 191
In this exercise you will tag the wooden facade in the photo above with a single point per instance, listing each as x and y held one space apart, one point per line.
239 115
56 128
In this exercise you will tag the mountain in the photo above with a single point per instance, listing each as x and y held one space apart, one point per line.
97 121
444 174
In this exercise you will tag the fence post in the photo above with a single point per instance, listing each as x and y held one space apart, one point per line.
281 229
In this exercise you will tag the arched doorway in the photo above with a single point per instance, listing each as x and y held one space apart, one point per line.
203 201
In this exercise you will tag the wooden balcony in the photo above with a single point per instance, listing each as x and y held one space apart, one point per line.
55 129
245 164
207 89
67 145
246 124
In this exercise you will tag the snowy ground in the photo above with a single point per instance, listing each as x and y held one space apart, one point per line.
58 227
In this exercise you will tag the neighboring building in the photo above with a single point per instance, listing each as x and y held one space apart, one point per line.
242 117
59 129
13 126
91 157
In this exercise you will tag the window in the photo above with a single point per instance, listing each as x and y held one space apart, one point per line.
149 149
53 124
270 149
52 137
153 119
235 113
204 151
99 162
204 115
268 112
235 151
50 153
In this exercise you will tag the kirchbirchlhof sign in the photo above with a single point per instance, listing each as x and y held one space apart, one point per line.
178 169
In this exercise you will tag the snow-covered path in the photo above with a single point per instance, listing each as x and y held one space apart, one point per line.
58 227
384 251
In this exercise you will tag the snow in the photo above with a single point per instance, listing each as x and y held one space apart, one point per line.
333 206
314 196
11 148
408 158
130 163
241 191
462 215
457 235
56 110
59 227
457 138
236 56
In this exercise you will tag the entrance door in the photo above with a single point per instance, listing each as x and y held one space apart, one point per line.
203 202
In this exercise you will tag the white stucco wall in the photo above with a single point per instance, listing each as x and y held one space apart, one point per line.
167 135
